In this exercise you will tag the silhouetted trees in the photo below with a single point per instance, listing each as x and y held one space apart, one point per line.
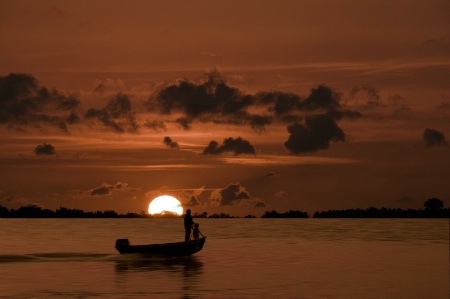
34 211
221 215
384 213
200 215
433 203
289 214
434 208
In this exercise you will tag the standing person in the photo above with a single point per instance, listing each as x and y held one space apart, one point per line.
188 222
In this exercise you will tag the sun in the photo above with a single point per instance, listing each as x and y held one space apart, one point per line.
165 204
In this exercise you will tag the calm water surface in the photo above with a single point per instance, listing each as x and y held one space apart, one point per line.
242 258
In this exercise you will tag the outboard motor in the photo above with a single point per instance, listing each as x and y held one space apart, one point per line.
122 244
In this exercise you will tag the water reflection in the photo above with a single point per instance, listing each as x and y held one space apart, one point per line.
190 264
183 271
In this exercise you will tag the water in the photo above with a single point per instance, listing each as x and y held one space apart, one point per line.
242 258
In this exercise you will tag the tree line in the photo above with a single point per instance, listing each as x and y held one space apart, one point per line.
433 208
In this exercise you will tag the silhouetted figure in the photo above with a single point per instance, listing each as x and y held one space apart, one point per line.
196 231
188 222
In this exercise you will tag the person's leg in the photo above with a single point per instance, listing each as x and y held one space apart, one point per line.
187 235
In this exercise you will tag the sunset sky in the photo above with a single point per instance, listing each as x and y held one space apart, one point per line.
230 106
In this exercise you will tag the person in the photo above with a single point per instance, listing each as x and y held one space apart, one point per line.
196 231
188 222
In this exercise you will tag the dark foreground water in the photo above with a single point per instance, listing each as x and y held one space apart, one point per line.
242 258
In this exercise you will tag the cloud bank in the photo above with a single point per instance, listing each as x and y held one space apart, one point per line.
312 121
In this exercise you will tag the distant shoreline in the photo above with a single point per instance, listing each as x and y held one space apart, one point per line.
34 211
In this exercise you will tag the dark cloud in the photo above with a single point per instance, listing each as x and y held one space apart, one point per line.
233 194
215 101
286 106
321 97
170 143
184 122
157 126
45 149
238 146
315 134
24 102
116 115
107 189
370 97
195 100
210 101
280 103
315 116
73 118
433 137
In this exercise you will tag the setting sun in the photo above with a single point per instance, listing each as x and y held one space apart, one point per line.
165 204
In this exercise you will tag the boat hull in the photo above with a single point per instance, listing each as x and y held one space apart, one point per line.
168 249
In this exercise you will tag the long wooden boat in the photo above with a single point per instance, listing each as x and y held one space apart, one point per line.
167 249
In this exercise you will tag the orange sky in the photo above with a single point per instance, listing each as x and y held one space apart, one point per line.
106 81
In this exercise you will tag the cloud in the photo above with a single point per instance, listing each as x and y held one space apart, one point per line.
316 133
433 137
116 115
191 198
238 146
24 102
368 97
170 143
313 119
107 189
282 104
321 97
155 125
184 122
233 194
210 101
44 149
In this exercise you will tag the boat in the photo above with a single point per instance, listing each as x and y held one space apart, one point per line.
167 249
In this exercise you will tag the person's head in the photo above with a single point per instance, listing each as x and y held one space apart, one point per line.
188 211
196 225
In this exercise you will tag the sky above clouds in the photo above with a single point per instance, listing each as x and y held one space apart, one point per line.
230 106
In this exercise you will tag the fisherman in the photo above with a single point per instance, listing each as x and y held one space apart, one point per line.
188 222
